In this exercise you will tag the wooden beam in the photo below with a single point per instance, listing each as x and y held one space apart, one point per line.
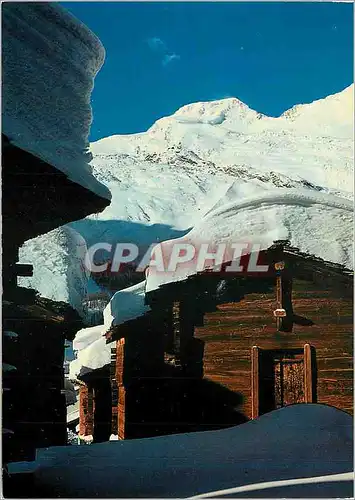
114 391
254 381
86 411
120 361
23 270
176 332
121 413
278 299
287 321
284 310
308 389
168 329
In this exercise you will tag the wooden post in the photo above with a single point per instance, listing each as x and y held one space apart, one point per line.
176 332
278 300
114 390
254 381
121 393
308 389
86 412
287 321
121 413
167 326
186 331
280 311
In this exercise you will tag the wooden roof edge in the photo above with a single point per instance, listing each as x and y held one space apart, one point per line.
278 245
315 261
115 332
17 162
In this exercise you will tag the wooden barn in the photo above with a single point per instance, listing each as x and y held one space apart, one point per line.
215 351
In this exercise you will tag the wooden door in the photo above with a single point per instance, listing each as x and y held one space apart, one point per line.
280 378
288 378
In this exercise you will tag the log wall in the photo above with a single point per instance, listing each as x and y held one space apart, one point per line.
86 411
34 405
230 332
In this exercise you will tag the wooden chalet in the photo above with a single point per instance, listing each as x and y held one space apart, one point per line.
34 408
36 198
44 173
215 351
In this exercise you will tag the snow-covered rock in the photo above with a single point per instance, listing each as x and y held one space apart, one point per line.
49 62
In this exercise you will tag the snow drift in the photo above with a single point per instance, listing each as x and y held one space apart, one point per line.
315 223
49 62
299 441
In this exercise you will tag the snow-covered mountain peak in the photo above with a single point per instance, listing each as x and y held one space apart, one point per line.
336 110
206 126
215 112
231 114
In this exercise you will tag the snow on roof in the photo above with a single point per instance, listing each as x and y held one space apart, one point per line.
126 305
91 349
92 352
298 441
49 62
316 223
73 412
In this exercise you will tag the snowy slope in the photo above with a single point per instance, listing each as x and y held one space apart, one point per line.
210 154
59 273
298 441
307 144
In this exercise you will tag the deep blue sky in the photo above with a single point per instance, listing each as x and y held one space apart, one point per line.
160 56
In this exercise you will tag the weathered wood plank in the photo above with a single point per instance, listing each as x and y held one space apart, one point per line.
308 392
255 382
230 332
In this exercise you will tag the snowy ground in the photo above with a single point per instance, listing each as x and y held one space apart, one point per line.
295 442
208 155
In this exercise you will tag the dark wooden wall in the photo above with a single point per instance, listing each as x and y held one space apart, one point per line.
188 366
34 406
36 198
95 411
230 332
